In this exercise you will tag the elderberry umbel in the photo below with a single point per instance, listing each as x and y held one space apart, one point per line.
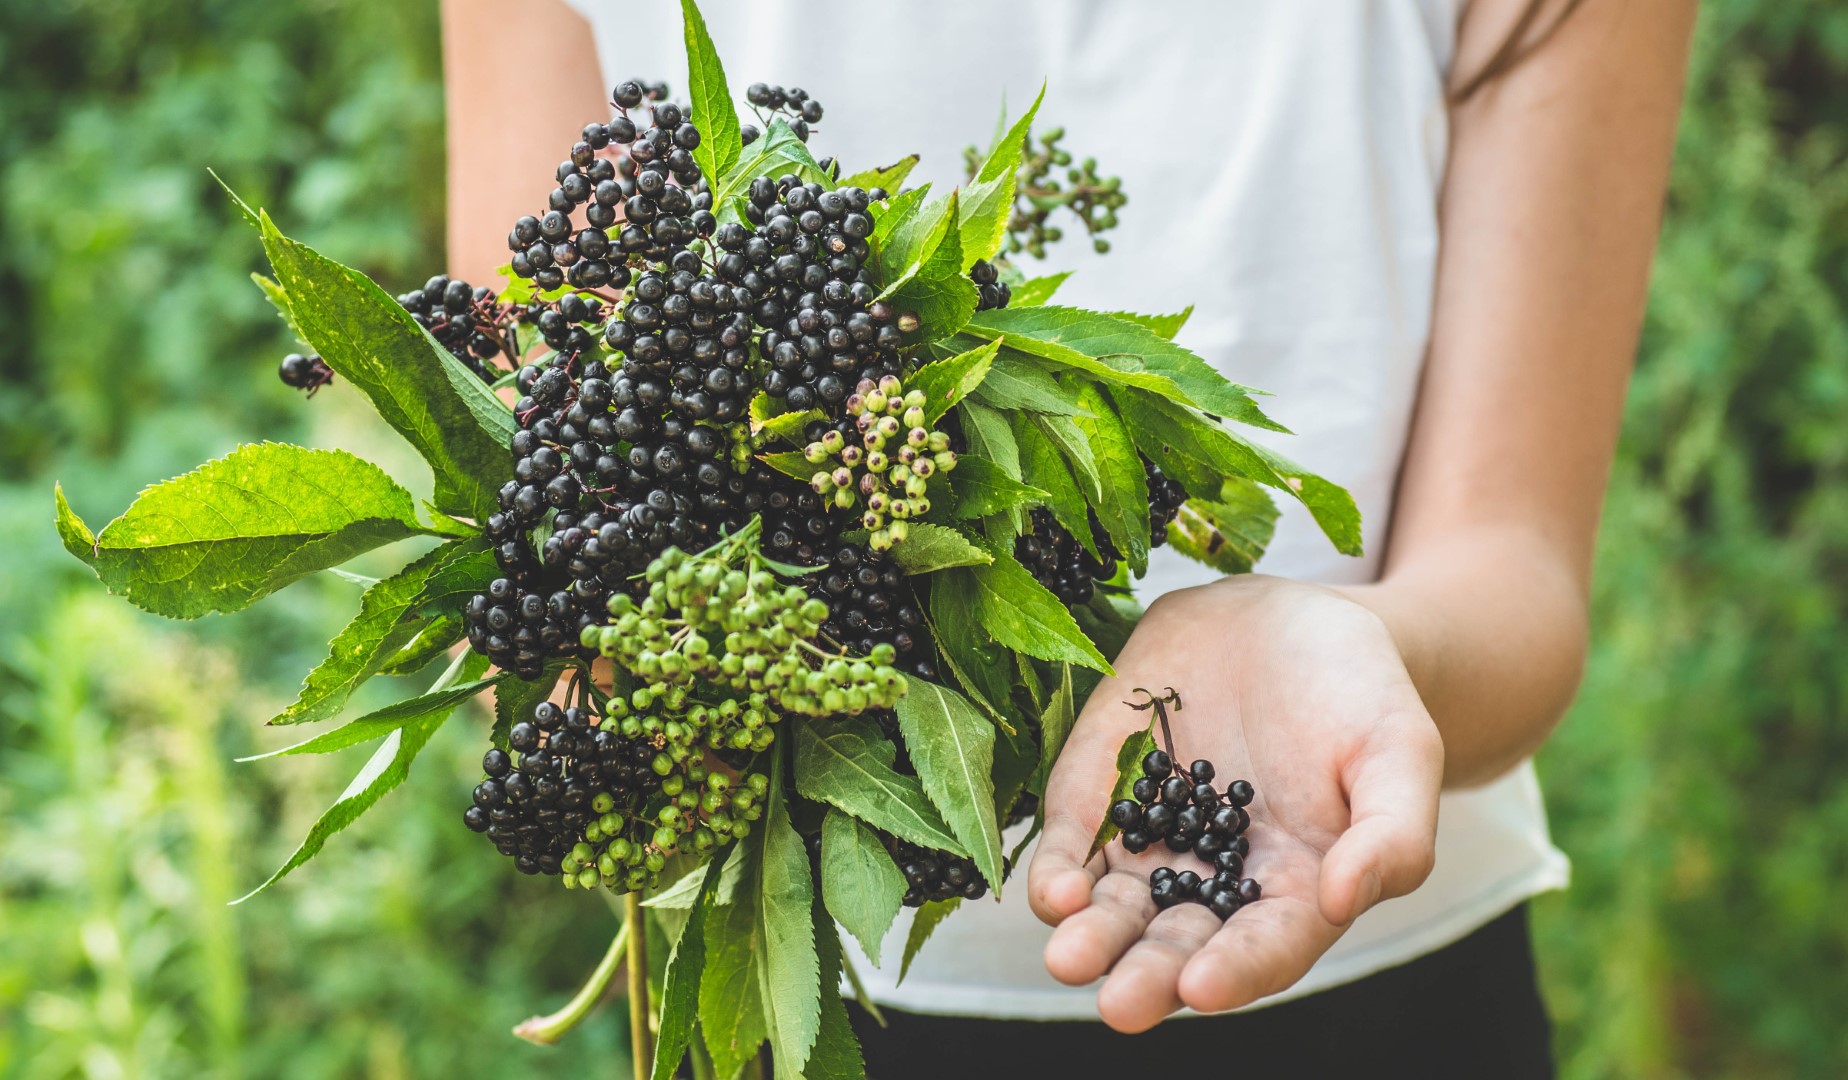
794 104
935 875
1062 564
465 320
1181 809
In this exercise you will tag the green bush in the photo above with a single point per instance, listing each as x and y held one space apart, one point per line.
1694 785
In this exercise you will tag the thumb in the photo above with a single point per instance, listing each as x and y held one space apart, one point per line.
1389 847
1077 796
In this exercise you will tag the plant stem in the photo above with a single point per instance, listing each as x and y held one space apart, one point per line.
640 1040
546 1030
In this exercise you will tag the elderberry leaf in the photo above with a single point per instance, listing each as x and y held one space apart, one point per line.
1044 466
1034 292
280 301
1228 536
721 140
1123 487
923 924
386 622
790 976
383 721
848 765
933 288
684 892
990 437
1018 382
680 985
889 178
1164 326
385 770
438 636
1108 618
1165 431
1129 768
862 888
1023 615
988 202
440 407
901 230
837 1048
1056 722
953 749
791 426
731 1010
936 547
1131 352
948 381
240 527
1066 435
975 660
982 488
791 463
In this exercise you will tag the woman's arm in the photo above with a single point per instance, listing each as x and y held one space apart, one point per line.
1350 709
512 116
1549 220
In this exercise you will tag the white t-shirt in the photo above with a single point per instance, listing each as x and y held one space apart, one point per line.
1282 160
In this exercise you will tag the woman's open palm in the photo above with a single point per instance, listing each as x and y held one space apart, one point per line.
1297 689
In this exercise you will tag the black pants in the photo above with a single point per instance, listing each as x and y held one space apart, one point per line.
1471 1010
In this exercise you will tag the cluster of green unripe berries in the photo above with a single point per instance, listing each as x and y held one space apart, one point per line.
697 810
721 620
1039 191
888 471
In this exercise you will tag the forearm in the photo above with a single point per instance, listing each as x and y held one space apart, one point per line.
1492 627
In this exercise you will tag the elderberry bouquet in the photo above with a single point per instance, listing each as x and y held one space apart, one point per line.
847 504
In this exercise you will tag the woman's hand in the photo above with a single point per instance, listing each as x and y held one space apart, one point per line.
1298 689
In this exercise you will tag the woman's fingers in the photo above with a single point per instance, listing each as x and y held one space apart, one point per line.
1261 949
1144 987
1390 843
1116 914
1077 796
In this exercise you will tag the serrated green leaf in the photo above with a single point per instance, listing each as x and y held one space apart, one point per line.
791 463
680 986
721 141
75 535
923 924
934 288
1163 326
975 660
438 634
948 381
280 301
731 1009
386 622
776 152
1129 768
1108 619
1056 722
890 178
1044 466
790 976
988 202
684 893
934 547
837 1048
1016 382
1132 354
470 569
1065 434
990 436
1023 615
982 488
1035 292
441 408
385 770
862 888
1230 537
1123 488
848 765
1164 430
238 528
381 722
789 426
902 233
952 746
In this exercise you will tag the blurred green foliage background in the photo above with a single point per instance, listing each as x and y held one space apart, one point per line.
1696 785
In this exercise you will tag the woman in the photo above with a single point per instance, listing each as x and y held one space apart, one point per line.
1291 170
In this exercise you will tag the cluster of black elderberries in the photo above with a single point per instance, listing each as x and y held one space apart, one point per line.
465 320
990 291
1184 811
602 800
870 604
1054 556
822 331
308 373
798 109
935 875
